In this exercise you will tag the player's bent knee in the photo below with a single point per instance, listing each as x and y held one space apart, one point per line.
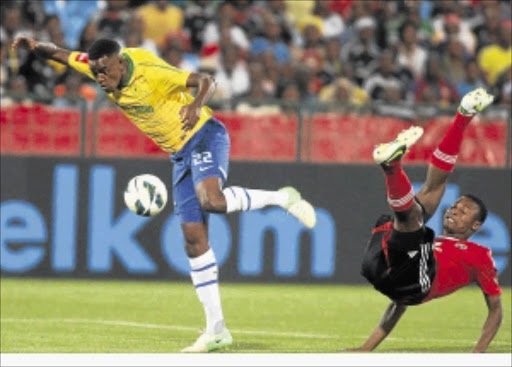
213 202
410 219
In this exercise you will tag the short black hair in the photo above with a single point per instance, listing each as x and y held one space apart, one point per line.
482 209
103 47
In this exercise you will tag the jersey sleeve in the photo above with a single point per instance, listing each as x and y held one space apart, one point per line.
487 275
80 62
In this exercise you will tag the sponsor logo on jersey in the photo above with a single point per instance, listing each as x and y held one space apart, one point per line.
82 57
137 109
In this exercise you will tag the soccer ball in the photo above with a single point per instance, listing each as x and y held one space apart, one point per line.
145 195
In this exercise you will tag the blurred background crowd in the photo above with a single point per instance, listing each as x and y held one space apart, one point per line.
342 51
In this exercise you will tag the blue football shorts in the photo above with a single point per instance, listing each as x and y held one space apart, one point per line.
205 155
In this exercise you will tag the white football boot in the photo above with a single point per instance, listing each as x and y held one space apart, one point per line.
475 101
298 207
210 342
389 152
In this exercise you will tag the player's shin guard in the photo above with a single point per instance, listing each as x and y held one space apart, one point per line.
398 187
204 274
445 155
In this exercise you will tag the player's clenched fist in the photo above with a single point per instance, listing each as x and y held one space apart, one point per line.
189 115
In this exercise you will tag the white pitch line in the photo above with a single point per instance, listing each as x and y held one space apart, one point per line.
234 331
166 326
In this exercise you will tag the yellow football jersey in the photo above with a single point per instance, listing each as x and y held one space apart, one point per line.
152 97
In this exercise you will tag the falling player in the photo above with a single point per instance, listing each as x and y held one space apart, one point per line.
403 260
154 96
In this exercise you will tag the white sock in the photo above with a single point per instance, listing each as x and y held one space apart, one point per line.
204 275
241 199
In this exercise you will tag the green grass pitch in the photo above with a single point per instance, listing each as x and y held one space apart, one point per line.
151 317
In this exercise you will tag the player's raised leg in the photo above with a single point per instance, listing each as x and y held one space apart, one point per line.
400 195
210 170
235 198
444 157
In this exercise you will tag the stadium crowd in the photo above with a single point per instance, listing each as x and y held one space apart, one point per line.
357 52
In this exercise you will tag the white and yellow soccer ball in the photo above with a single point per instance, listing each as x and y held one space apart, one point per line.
145 195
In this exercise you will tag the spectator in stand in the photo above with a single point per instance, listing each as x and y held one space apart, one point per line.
333 25
348 72
17 92
384 14
487 29
160 18
453 27
4 70
472 80
496 58
305 78
290 92
135 35
74 15
243 9
387 75
198 13
410 12
313 59
233 77
34 14
433 88
271 40
278 9
290 98
298 10
503 88
256 101
174 56
453 62
332 64
41 76
112 21
392 93
410 54
225 19
362 51
181 40
276 75
134 39
69 95
12 24
345 91
51 25
89 35
257 75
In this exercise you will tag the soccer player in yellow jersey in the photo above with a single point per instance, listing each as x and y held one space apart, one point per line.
154 95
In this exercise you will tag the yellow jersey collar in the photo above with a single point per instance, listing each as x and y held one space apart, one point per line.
130 70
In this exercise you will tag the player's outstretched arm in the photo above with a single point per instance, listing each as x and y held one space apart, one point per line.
45 50
390 318
492 324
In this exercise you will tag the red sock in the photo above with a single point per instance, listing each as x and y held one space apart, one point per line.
445 155
398 187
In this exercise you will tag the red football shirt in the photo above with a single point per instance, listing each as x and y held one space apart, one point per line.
459 263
